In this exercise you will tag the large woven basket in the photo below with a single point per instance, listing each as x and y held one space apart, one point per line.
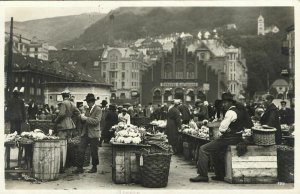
154 167
73 155
264 137
285 162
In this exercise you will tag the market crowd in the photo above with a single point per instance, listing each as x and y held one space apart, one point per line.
93 122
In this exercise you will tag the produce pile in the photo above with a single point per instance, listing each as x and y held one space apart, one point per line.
247 133
202 132
35 135
128 134
159 123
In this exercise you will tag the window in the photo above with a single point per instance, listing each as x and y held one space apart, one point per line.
190 71
179 70
123 75
70 62
123 66
96 63
31 91
36 49
38 91
233 66
123 84
104 67
122 96
202 56
104 75
50 97
168 71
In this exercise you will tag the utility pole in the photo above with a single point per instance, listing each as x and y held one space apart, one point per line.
9 76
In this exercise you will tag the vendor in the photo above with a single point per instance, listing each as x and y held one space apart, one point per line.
90 134
271 116
111 119
63 122
173 124
230 129
124 116
285 114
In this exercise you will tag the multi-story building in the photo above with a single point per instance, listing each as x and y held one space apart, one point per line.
179 74
289 49
32 74
29 47
122 67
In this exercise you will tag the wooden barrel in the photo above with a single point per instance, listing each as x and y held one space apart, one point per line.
63 152
46 159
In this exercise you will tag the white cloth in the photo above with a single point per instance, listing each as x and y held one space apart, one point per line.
230 116
124 118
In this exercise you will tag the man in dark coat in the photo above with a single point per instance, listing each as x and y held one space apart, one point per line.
185 113
230 129
173 124
285 114
271 116
102 122
111 119
32 110
15 112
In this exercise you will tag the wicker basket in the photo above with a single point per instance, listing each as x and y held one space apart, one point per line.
73 155
285 162
154 167
264 137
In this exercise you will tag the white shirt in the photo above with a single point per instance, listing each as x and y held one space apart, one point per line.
124 118
230 116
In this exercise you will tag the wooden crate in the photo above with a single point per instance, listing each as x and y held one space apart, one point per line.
124 166
258 165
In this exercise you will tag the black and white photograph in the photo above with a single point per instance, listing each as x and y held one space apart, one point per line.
140 96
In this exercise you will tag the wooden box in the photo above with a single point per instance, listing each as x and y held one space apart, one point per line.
124 166
258 165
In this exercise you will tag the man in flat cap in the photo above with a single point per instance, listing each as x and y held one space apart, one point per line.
230 130
63 122
90 133
271 116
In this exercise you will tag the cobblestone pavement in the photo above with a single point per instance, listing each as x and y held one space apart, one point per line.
180 172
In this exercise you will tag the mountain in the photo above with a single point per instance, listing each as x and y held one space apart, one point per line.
57 29
133 23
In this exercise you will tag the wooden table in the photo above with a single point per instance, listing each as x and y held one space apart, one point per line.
27 147
192 143
124 165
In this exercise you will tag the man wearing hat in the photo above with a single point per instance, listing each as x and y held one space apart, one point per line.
124 116
63 122
173 124
271 116
90 133
285 114
231 127
15 113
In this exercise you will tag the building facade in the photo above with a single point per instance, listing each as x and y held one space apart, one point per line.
79 90
29 47
179 75
122 67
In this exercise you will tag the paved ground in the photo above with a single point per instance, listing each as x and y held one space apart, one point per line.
180 172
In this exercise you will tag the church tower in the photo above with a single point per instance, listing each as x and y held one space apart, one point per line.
260 25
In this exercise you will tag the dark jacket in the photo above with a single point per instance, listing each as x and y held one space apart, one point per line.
185 113
173 124
91 126
15 110
271 118
32 111
111 119
286 116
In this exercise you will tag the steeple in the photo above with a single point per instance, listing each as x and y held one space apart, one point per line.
260 25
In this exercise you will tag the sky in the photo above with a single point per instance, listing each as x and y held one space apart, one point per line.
31 13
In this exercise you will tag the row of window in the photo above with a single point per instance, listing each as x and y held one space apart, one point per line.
22 80
115 84
180 75
32 91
